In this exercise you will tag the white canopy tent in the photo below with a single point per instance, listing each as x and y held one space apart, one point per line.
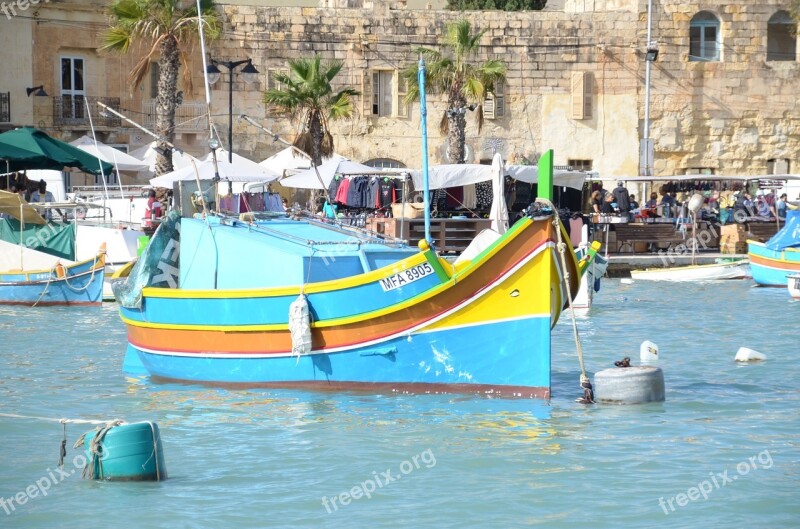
453 175
147 154
308 179
241 170
107 153
290 160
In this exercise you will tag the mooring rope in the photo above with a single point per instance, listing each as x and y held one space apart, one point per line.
95 446
88 283
47 285
586 385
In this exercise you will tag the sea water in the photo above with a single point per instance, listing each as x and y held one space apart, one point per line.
722 451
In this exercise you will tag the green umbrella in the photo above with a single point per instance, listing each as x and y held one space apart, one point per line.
29 148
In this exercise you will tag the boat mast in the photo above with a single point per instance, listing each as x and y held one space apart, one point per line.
544 182
423 111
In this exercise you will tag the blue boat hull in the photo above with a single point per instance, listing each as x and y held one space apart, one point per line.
471 359
81 284
771 267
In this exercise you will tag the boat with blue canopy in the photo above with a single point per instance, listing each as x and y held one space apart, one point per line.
773 261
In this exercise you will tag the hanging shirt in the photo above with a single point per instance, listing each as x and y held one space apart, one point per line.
386 192
469 196
374 193
342 191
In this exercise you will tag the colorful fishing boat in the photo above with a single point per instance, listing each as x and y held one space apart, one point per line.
773 261
213 301
78 283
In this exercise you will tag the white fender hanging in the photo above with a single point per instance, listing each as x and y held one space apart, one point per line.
300 326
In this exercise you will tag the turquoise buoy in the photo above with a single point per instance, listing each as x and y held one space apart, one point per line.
629 385
125 452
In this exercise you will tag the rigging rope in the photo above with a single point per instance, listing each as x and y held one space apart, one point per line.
586 385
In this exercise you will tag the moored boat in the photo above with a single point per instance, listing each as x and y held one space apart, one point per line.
214 303
772 262
723 269
78 283
793 284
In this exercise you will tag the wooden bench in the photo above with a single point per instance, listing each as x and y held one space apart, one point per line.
651 233
762 231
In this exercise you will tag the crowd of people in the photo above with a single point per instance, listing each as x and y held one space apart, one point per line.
725 207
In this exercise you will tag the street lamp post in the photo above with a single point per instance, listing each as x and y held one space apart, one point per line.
646 149
250 75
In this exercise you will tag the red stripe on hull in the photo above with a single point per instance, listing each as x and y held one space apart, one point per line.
53 303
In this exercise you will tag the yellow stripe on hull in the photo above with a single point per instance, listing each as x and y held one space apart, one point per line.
517 296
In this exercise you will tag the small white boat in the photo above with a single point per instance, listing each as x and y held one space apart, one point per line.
793 283
722 269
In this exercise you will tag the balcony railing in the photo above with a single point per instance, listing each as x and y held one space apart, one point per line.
5 107
70 111
189 116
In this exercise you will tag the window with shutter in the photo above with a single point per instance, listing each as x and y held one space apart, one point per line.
402 90
382 81
494 106
578 95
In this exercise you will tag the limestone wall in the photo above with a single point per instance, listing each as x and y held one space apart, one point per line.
730 116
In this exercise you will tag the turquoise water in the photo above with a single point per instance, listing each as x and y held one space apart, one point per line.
271 458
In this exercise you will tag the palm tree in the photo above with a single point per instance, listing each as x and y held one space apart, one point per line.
307 97
166 29
465 85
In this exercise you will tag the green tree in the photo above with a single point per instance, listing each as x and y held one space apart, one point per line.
465 85
501 5
794 11
308 98
166 29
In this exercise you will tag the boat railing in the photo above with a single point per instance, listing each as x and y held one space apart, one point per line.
361 234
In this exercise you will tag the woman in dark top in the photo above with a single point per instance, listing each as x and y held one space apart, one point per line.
597 201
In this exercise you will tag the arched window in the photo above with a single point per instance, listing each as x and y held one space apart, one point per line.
781 41
704 40
385 163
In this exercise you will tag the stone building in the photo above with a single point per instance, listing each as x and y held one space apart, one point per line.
722 95
722 88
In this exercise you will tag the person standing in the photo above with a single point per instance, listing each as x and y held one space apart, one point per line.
41 196
780 206
153 209
622 198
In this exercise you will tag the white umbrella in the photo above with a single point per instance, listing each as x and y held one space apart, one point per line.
241 170
308 179
498 212
453 175
289 160
107 153
148 153
561 178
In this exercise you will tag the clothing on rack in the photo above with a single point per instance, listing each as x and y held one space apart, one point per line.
387 192
470 199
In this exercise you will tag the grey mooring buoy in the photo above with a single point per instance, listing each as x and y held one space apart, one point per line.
629 385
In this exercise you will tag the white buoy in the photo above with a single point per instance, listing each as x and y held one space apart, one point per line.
745 354
626 281
648 351
629 385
